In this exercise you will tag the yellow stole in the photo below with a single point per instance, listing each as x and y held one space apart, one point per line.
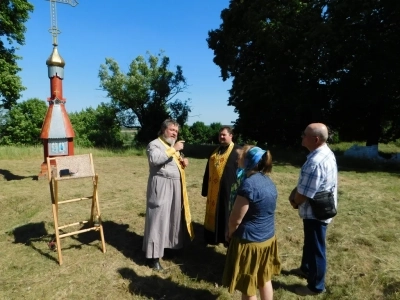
216 168
188 218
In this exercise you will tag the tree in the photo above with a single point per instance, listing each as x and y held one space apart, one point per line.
200 133
185 134
364 69
23 123
294 63
271 49
97 127
13 15
214 132
145 95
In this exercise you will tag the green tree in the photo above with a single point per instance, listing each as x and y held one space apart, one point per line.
146 94
297 62
185 134
214 133
97 127
200 133
364 69
13 15
270 50
22 124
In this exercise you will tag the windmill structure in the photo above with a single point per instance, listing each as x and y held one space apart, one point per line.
57 133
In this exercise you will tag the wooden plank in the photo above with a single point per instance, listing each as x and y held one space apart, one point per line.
72 224
76 199
78 231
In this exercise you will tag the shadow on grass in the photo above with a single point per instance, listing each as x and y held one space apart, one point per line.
118 236
10 176
33 232
196 259
158 288
199 260
277 285
392 290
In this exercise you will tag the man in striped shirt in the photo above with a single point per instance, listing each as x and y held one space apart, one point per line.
318 174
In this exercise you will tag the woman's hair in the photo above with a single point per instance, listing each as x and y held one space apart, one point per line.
166 124
256 160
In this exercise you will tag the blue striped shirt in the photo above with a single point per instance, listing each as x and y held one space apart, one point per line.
318 174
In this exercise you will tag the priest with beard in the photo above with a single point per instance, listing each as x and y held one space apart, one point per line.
168 216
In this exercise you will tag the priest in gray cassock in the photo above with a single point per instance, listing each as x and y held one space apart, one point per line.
167 207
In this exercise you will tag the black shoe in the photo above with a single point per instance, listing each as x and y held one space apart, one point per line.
299 273
154 263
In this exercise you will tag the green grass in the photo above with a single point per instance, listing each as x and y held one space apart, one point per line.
363 240
18 152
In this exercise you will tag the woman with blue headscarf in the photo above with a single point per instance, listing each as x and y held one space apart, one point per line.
252 256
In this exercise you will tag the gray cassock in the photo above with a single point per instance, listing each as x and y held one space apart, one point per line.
163 223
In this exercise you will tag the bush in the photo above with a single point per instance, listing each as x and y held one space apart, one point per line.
97 127
22 124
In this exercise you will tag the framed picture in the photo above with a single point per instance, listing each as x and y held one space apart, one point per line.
58 147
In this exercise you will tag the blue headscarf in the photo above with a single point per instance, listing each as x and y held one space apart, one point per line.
253 157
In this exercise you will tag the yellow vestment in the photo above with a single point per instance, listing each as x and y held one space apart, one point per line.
216 167
185 199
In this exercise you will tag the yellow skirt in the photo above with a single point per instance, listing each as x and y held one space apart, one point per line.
249 265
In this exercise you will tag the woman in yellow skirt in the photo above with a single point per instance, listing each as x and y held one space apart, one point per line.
252 258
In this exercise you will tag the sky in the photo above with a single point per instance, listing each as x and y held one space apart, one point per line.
95 30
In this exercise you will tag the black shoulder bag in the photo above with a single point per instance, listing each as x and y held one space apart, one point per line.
323 205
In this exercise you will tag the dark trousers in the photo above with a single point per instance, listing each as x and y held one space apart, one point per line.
314 254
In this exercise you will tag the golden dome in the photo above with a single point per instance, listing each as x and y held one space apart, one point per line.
55 59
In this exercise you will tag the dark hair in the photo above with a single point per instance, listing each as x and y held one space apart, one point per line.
166 124
227 128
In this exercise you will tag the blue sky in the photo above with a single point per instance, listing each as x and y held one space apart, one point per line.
123 30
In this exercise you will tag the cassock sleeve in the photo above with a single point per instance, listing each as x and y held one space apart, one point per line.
158 156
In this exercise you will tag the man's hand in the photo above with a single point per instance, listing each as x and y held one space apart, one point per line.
184 162
294 204
291 198
179 145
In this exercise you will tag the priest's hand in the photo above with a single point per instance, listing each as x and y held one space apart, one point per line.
179 145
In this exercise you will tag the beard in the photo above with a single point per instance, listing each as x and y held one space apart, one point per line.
169 140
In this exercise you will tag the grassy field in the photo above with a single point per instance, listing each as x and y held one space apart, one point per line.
363 240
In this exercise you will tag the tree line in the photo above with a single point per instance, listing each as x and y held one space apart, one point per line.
93 127
291 63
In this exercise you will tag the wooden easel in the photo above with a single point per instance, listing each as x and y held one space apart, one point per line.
73 167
